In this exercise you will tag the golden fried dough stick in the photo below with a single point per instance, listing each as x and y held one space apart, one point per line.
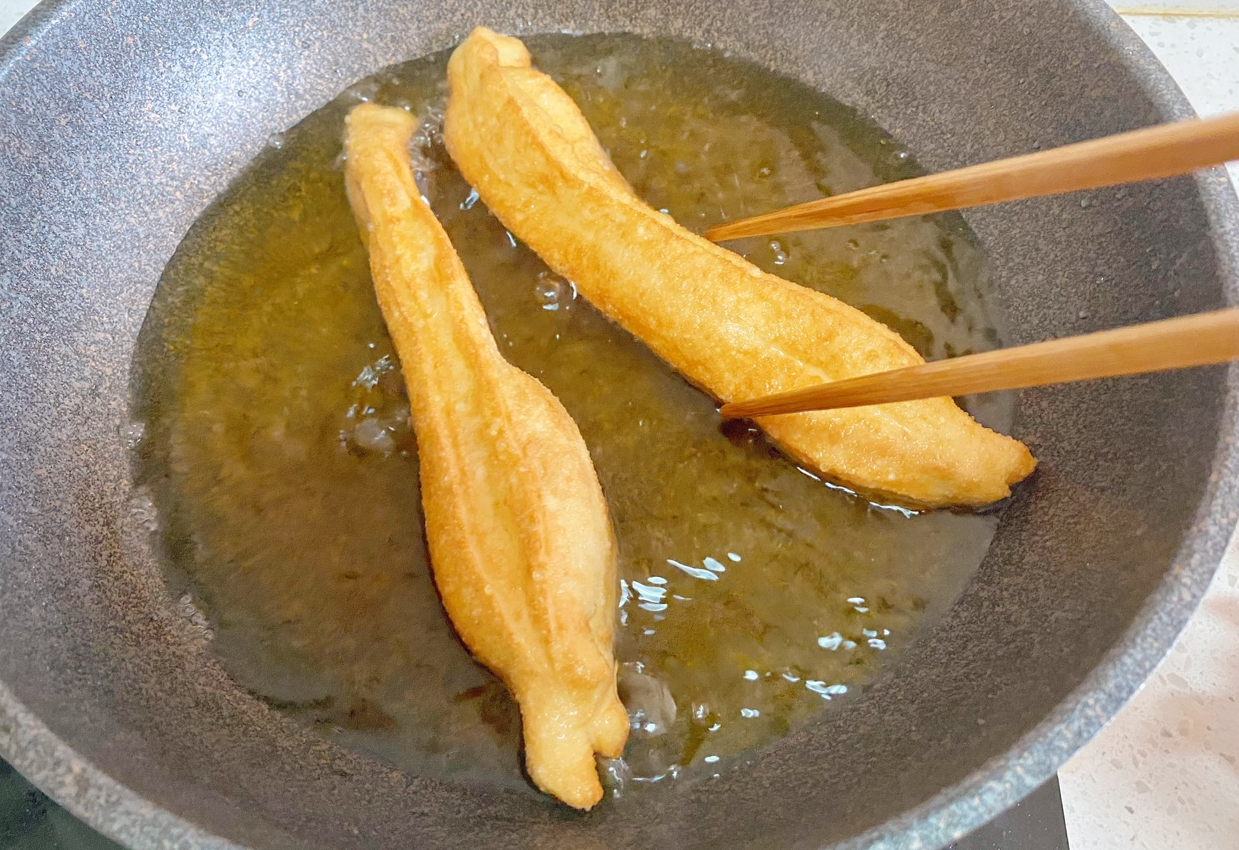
520 539
728 327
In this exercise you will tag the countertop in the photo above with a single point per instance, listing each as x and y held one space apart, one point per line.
1165 772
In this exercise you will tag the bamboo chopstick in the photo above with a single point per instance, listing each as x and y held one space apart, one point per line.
1163 151
1198 340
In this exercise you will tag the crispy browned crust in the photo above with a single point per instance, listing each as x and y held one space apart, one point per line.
731 329
520 539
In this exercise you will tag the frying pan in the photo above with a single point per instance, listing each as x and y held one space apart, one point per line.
121 120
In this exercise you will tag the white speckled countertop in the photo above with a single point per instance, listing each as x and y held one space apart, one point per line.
1165 773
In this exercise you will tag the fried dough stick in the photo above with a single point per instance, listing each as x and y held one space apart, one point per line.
520 539
728 327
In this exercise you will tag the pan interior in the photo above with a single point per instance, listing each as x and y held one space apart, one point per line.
281 464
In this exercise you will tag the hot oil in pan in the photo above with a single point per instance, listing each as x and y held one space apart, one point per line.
280 457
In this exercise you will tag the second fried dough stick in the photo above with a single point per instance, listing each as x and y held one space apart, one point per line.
728 327
520 540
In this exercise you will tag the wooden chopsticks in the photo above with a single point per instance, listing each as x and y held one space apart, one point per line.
1164 151
1198 340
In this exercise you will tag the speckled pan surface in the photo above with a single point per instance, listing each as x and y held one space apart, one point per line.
119 121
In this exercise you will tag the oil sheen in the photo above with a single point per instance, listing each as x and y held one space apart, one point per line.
279 455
